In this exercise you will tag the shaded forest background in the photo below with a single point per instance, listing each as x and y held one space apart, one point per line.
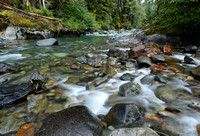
171 17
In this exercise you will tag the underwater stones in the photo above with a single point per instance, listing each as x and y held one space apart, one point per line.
82 59
188 60
73 121
147 79
125 115
196 73
138 131
36 104
129 89
4 68
143 62
127 77
165 94
47 42
114 52
157 58
88 78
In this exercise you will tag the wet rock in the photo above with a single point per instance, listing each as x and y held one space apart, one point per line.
115 53
161 78
95 61
198 129
138 131
143 62
188 60
167 114
36 104
10 94
70 122
75 67
167 50
195 106
47 42
129 65
82 59
5 68
108 69
157 58
147 79
26 130
92 85
112 61
165 94
129 89
196 73
191 49
127 77
88 78
125 115
196 92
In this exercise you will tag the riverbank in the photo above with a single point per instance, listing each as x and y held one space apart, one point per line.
156 91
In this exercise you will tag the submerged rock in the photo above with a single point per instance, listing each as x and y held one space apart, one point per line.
4 68
129 89
143 62
125 115
196 73
10 94
73 121
47 42
93 84
138 131
127 77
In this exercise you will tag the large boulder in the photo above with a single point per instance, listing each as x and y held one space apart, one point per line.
138 131
73 121
47 42
129 89
125 115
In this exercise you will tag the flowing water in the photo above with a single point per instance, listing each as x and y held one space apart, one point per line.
57 60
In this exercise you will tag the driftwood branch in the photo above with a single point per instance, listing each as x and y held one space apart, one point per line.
4 5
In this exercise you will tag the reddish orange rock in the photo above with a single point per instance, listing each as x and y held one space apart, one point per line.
158 67
26 130
167 50
173 69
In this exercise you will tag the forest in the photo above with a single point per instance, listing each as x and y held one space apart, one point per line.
172 17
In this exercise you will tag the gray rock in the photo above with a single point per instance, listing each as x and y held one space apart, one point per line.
82 59
11 33
129 65
196 73
158 58
188 60
129 89
112 61
4 68
191 49
138 131
73 121
143 62
125 115
147 79
161 78
115 53
165 94
93 84
127 77
47 42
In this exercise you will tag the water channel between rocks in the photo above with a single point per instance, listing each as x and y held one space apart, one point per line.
68 87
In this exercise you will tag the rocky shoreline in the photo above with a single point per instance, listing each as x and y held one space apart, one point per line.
147 88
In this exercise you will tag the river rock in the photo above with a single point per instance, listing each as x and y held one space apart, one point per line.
147 79
129 89
73 121
128 77
196 73
129 65
112 61
88 78
160 78
93 84
82 59
138 131
4 68
114 52
196 92
198 129
108 69
47 42
143 62
10 94
191 49
157 58
165 94
125 115
36 104
188 60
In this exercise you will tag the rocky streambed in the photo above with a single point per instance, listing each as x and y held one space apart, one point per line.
110 84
